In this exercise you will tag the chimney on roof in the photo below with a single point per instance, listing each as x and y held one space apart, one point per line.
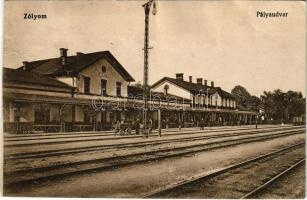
212 83
199 81
205 82
190 79
79 53
179 76
63 54
25 65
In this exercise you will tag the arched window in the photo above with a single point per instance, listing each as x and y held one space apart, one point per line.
103 69
166 87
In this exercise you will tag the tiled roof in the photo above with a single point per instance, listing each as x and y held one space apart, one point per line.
224 94
191 87
27 77
194 88
242 108
76 63
134 91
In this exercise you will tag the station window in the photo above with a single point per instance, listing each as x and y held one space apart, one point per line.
87 118
103 117
118 88
87 83
103 69
41 116
103 87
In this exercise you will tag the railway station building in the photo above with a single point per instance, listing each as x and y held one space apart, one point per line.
92 91
207 102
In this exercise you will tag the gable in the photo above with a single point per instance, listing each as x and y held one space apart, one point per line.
173 89
102 69
216 94
98 71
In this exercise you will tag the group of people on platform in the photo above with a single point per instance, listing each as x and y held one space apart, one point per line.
125 128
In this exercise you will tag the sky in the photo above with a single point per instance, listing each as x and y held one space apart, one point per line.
220 41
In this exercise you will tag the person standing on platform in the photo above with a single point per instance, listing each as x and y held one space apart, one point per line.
179 124
201 124
150 127
117 127
166 123
137 127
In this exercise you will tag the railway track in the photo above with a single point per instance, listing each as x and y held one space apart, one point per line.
57 152
27 176
110 133
265 185
242 180
40 141
288 184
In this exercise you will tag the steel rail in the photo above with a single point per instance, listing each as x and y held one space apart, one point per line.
111 133
116 138
108 133
123 160
275 178
199 148
50 153
207 175
169 133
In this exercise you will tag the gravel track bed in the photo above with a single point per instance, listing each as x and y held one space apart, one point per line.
125 182
240 181
87 144
30 163
290 186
